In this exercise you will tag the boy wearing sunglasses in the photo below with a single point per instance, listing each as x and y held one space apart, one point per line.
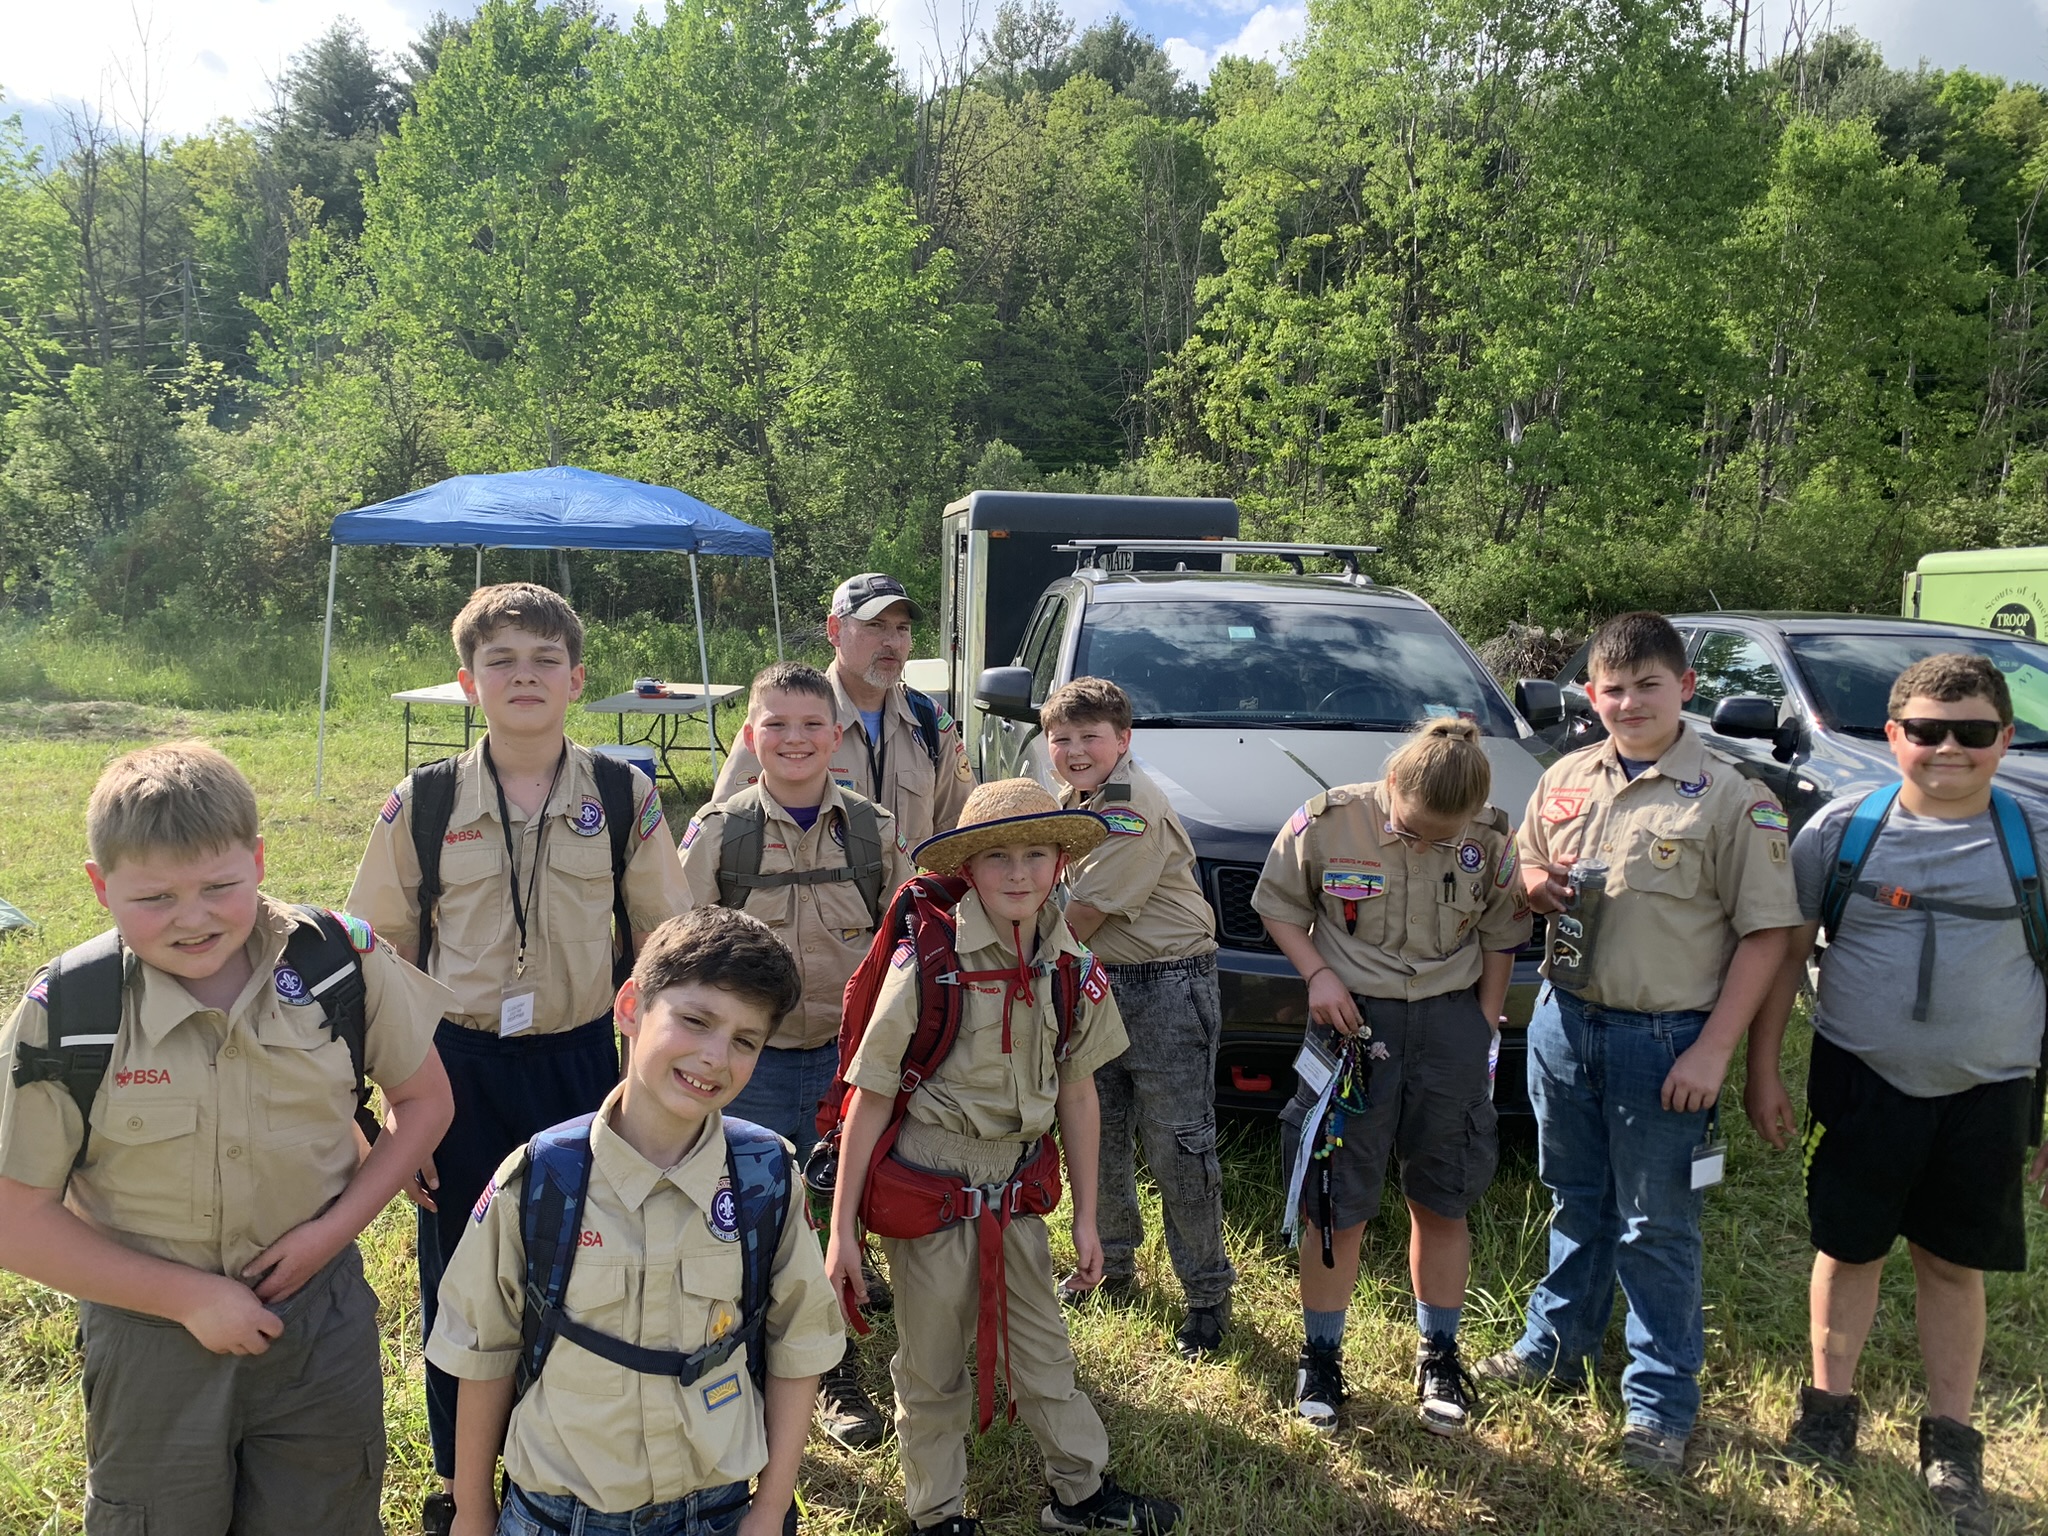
1927 1032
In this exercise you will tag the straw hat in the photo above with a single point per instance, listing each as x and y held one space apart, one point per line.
1010 811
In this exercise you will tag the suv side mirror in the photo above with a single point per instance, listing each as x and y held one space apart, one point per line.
1747 715
1006 692
1540 701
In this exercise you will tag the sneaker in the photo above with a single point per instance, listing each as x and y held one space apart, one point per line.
880 1297
1952 1466
1111 1509
1202 1333
437 1514
1652 1452
952 1525
846 1413
1823 1437
1509 1369
1319 1386
1112 1290
1445 1393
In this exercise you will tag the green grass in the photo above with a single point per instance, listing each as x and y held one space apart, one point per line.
1217 1436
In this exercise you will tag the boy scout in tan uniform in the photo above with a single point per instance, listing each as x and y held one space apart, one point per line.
979 1115
1134 901
221 1188
523 930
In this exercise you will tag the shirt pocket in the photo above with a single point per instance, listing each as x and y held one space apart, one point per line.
473 904
578 923
1354 902
842 910
1667 852
1457 920
597 1299
145 1166
309 1082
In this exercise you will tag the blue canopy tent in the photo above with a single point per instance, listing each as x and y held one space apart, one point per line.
553 508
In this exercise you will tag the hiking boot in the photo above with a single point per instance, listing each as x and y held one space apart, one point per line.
1823 1437
1652 1452
1445 1394
1319 1386
1509 1369
1202 1333
880 1297
1952 1466
846 1413
1111 1509
437 1514
952 1525
1110 1290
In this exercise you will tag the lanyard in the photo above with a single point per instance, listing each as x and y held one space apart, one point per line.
878 751
521 908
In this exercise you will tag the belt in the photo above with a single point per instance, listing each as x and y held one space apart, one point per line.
1153 970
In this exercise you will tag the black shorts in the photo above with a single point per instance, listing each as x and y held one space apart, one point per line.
1947 1174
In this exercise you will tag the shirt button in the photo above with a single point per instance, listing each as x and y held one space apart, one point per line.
135 1122
234 1151
232 1052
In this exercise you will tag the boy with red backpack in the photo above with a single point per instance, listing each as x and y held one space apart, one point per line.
975 1022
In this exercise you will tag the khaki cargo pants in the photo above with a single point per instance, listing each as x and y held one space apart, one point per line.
180 1441
937 1284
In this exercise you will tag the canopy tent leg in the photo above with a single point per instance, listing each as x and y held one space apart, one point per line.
704 664
326 651
775 603
479 565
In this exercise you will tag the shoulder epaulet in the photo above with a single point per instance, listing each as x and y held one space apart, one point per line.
1494 819
1115 793
1318 803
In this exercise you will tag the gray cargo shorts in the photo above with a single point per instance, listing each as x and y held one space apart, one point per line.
1429 1100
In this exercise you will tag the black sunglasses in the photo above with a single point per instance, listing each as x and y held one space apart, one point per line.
1975 734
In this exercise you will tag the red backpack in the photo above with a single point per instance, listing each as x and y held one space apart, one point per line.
899 1199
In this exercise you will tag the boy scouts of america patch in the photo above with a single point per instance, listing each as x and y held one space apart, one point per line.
1471 857
724 1216
1504 871
1766 815
1095 981
838 831
690 832
722 1391
1663 854
359 934
905 953
1697 787
1564 804
1353 886
650 815
291 986
483 1202
945 721
1123 823
391 807
589 819
1298 822
40 992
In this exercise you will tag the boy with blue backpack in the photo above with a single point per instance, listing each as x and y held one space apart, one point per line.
1923 1093
638 1313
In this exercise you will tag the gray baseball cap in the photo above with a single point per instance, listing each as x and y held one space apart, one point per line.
870 595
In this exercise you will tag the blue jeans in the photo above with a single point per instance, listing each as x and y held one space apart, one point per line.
707 1512
785 1091
1619 1169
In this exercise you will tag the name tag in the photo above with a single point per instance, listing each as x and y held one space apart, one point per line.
515 1011
1314 1065
1709 1163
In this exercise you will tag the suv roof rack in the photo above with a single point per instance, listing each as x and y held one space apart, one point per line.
1091 551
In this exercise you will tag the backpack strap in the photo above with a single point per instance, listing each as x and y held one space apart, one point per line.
82 998
1870 814
550 1222
326 949
759 1165
864 854
617 792
2022 862
433 803
932 724
746 830
739 850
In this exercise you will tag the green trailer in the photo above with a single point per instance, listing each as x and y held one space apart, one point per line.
2001 589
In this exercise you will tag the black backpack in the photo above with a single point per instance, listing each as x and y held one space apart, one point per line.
932 724
739 854
433 802
82 996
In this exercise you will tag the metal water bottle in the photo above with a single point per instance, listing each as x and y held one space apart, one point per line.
1575 930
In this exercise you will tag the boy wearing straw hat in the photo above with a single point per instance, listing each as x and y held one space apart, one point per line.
979 1116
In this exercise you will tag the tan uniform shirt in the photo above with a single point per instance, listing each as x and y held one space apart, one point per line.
654 1268
569 921
924 800
1143 874
827 927
982 1089
215 1134
1697 860
1394 916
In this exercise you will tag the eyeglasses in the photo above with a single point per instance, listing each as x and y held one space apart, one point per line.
1974 734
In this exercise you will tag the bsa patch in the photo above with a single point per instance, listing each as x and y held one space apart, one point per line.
848 935
391 808
945 721
721 1392
588 820
690 832
1564 804
1766 815
40 992
905 953
291 986
1095 981
844 781
724 1216
483 1202
1697 787
838 830
1298 822
1471 857
1664 854
1351 885
1777 847
901 846
650 815
1504 871
1123 823
359 934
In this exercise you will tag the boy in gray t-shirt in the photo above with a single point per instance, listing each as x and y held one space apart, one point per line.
1927 1033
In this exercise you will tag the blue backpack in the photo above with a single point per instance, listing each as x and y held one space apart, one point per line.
757 1166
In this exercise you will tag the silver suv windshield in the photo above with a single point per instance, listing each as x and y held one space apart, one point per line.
1215 662
1850 677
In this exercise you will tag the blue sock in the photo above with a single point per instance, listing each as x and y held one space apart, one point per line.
1437 1322
1325 1329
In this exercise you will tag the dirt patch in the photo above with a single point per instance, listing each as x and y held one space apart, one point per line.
89 720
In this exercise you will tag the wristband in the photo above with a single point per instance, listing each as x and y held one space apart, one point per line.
1312 975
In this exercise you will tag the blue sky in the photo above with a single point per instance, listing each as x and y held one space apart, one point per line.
215 58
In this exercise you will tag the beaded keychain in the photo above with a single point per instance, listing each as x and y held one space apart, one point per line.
1352 1096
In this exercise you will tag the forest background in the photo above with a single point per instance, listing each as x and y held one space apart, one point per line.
1572 305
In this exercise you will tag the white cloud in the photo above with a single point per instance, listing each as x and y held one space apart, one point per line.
1268 34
